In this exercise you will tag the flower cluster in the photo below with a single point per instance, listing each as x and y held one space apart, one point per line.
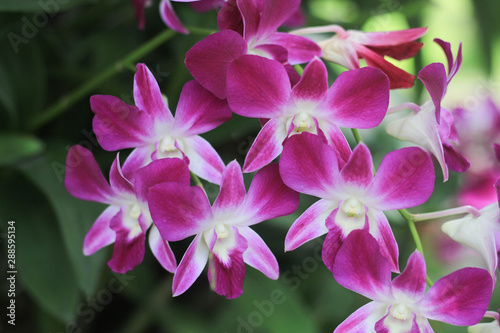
255 71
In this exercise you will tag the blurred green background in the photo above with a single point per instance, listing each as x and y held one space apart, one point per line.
47 52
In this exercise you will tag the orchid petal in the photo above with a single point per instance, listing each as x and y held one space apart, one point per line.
178 210
360 267
309 165
455 160
209 59
398 52
337 140
267 145
229 17
170 18
139 12
100 234
161 250
258 255
271 51
313 84
191 266
274 14
257 87
250 16
332 243
358 172
382 232
434 78
118 181
138 158
390 37
300 49
460 298
390 324
364 319
84 179
404 179
204 160
118 125
199 111
310 224
411 283
358 98
232 189
453 66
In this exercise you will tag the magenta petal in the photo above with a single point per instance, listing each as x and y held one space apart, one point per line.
392 37
358 171
258 255
84 179
226 275
272 51
453 67
128 251
496 148
360 267
139 12
161 250
309 225
300 49
204 160
100 234
160 171
337 140
459 298
267 145
434 78
191 266
209 59
274 14
229 17
138 158
257 87
147 95
455 160
331 245
232 189
358 98
382 232
178 210
412 281
309 165
389 324
199 111
364 319
118 125
404 179
313 85
250 16
118 181
170 18
268 197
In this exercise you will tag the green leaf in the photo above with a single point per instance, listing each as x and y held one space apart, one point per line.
74 216
15 147
43 266
42 6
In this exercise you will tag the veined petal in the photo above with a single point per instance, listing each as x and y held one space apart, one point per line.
170 18
179 210
399 52
337 140
199 111
257 87
258 255
268 197
250 16
364 319
84 179
404 179
267 145
358 98
332 243
229 17
118 125
309 165
118 181
209 59
382 232
313 84
100 234
204 160
147 96
300 49
232 190
459 298
161 250
434 78
160 171
358 172
310 224
410 285
274 14
191 266
360 267
271 51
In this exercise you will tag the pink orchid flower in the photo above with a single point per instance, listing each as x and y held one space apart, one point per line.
223 236
152 130
259 88
248 27
347 47
430 126
125 221
491 327
402 305
352 198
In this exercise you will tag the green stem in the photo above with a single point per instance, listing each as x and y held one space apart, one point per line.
357 136
84 90
299 69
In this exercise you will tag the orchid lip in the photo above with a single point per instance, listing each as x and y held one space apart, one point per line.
401 312
302 122
353 207
131 220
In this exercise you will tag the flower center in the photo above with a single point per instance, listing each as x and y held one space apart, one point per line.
135 211
353 207
302 122
167 147
222 231
401 311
